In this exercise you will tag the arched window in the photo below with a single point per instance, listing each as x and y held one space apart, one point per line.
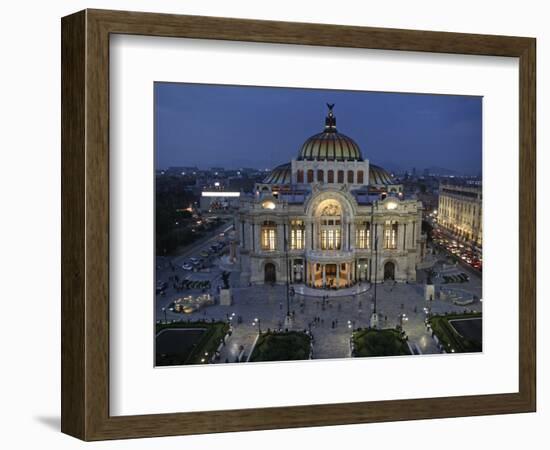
330 176
340 176
360 177
269 236
350 176
310 176
330 225
320 176
300 176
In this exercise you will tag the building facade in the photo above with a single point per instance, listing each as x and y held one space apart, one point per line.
460 211
329 219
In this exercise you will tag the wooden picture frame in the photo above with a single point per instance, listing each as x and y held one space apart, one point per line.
85 224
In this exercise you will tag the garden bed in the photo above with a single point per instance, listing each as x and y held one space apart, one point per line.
181 343
288 346
445 328
374 342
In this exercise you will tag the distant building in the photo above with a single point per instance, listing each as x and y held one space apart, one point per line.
217 171
460 210
324 218
182 170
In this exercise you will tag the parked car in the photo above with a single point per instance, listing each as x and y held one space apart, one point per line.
187 266
161 287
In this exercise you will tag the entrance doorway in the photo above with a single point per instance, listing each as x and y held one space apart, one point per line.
389 271
269 273
330 271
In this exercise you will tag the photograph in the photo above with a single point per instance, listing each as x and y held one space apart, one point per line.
300 224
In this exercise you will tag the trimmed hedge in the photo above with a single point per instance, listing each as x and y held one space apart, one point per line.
288 346
374 342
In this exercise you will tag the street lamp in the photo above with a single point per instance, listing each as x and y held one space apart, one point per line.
257 322
164 311
287 226
374 316
375 270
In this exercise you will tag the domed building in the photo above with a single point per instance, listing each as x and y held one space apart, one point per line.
326 218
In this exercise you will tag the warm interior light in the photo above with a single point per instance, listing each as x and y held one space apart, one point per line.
268 205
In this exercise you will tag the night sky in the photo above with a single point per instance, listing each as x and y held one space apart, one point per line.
261 127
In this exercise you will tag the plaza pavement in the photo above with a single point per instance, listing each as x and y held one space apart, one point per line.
330 321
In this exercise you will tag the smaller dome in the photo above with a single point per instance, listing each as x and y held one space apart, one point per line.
279 175
379 176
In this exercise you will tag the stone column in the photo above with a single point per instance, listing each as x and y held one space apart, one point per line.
280 237
324 275
338 275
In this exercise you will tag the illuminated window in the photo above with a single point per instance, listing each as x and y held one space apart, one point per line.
363 235
297 235
330 239
269 236
330 223
390 235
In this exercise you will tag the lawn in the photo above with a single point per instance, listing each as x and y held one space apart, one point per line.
182 343
374 342
451 339
289 346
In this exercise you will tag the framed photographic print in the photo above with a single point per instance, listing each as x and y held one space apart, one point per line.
270 224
